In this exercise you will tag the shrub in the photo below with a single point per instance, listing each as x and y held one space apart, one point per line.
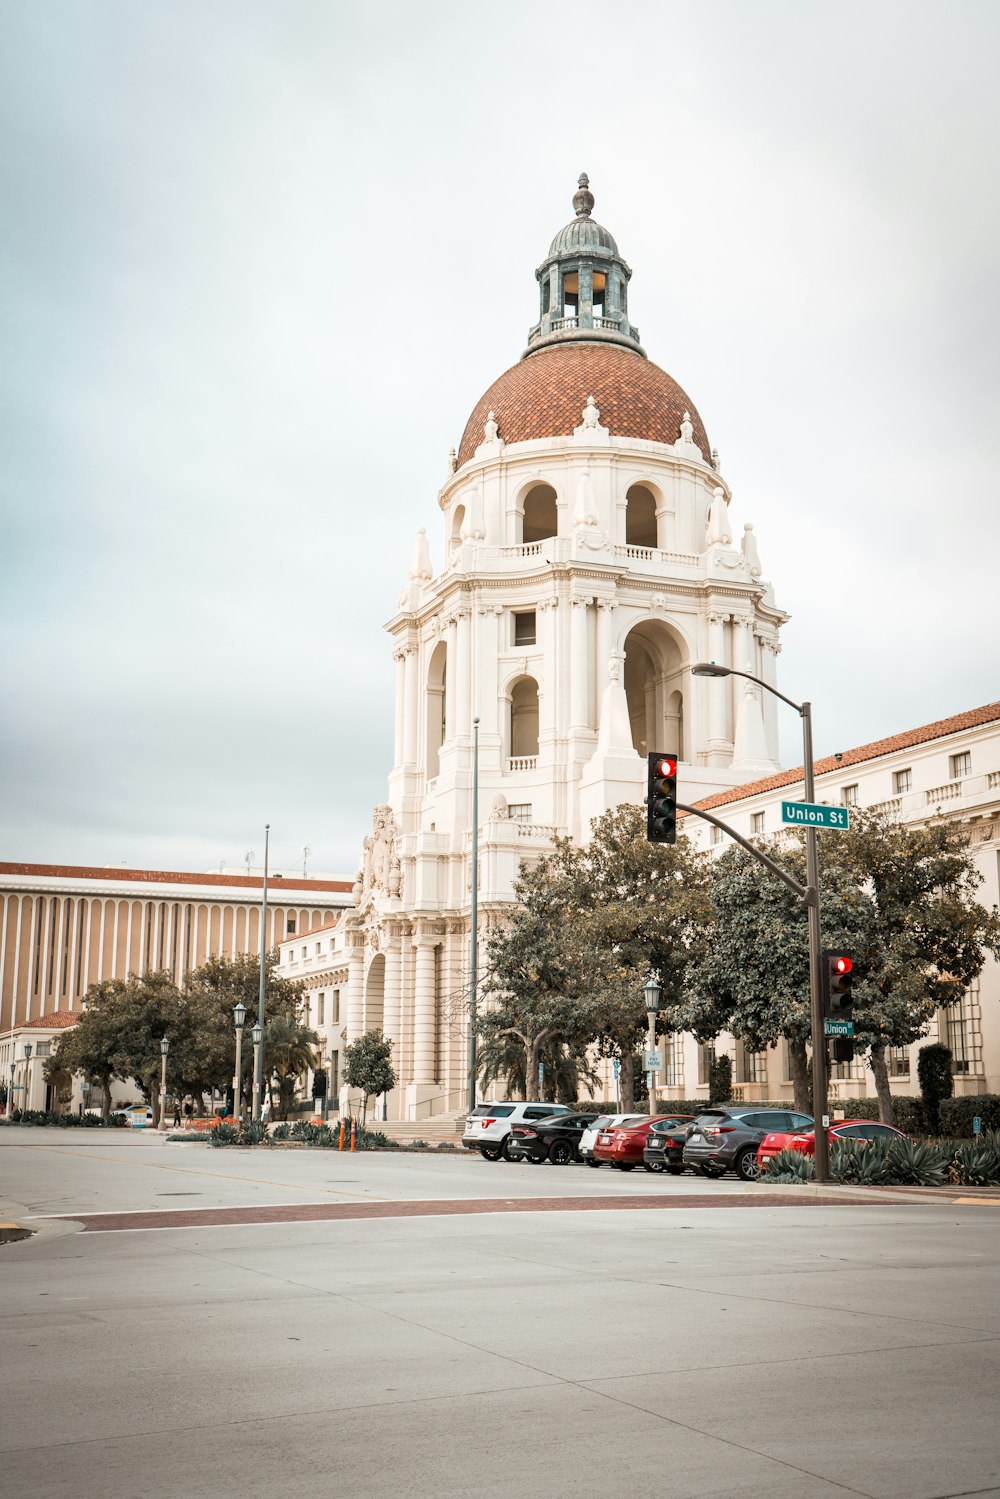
281 1132
419 1145
720 1079
445 1145
957 1114
311 1134
936 1082
224 1134
255 1133
919 1163
907 1111
977 1164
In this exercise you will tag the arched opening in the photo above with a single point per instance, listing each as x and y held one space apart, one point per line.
640 517
524 718
375 994
457 522
436 708
654 689
541 518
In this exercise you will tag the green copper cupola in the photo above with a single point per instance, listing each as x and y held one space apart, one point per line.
583 285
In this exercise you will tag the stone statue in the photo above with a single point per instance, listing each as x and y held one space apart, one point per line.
500 811
591 415
748 546
490 429
718 520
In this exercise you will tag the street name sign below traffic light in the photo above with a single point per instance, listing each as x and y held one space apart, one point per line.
661 798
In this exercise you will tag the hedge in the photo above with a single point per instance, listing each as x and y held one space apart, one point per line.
957 1114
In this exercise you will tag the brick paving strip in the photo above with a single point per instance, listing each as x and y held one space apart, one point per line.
339 1212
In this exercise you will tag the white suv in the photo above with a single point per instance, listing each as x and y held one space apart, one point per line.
488 1127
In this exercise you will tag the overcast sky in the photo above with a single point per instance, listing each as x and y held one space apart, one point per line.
259 261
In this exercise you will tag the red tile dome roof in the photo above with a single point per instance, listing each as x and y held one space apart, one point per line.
544 396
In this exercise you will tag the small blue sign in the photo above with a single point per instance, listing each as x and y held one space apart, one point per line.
977 1125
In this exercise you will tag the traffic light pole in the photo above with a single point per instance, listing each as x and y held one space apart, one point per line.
819 1085
810 898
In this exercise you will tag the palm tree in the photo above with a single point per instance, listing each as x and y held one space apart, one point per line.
289 1053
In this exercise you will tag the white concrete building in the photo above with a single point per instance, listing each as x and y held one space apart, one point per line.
585 561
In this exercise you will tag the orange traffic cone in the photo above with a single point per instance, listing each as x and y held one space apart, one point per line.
354 1133
340 1142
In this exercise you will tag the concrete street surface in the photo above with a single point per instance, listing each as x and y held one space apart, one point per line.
523 1330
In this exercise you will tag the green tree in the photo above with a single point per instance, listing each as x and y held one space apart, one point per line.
368 1066
204 1055
936 1082
289 1053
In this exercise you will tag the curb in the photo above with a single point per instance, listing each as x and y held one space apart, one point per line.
12 1233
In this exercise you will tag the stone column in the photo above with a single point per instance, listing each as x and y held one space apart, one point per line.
463 675
548 685
579 690
411 696
605 640
392 1008
424 1009
450 680
717 689
399 656
355 986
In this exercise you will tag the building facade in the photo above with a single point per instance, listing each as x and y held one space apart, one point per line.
586 560
63 928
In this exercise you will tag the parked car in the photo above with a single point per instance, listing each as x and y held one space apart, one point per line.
623 1147
555 1139
488 1127
805 1140
135 1115
588 1139
726 1138
664 1148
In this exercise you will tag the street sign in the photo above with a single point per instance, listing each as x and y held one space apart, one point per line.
838 1027
977 1125
812 815
652 1061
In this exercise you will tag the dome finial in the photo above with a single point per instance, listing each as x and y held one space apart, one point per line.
583 199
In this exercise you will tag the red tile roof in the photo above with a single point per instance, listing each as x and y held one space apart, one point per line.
172 877
58 1020
942 727
544 396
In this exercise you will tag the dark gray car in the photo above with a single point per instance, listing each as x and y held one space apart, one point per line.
726 1138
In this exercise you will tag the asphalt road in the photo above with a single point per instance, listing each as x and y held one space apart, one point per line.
804 1351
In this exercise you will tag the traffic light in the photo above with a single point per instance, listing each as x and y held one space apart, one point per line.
838 985
661 798
843 1048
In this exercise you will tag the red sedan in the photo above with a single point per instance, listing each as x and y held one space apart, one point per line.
622 1146
805 1140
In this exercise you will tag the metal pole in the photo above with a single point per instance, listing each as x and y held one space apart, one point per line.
237 1101
258 1069
651 1074
474 917
163 1090
815 975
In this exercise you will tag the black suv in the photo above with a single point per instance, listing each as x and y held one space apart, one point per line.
554 1139
726 1138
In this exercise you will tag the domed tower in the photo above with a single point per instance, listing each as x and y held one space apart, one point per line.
585 560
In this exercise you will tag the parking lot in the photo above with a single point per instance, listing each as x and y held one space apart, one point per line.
548 1349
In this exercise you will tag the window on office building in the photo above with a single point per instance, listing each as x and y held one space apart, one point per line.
757 822
321 1009
898 1061
960 765
335 1007
849 795
520 811
902 780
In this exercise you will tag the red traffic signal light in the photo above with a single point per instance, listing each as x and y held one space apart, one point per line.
661 798
838 984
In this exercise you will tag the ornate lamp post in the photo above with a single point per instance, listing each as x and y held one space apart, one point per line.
239 1017
164 1048
653 994
10 1086
26 1100
258 1035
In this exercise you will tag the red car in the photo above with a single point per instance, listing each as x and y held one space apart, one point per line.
805 1140
622 1147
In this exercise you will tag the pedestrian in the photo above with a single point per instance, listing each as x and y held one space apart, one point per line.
188 1111
177 1113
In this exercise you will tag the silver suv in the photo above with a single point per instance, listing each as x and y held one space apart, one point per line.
488 1127
726 1138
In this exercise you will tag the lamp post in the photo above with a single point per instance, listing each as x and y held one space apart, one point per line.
258 1035
258 1071
474 917
804 710
26 1101
653 994
164 1048
10 1085
239 1017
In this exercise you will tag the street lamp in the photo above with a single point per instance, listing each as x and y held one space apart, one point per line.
804 710
239 1016
26 1101
474 918
10 1086
164 1048
258 1035
653 995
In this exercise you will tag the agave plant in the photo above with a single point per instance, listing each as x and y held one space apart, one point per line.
978 1164
790 1166
864 1163
918 1163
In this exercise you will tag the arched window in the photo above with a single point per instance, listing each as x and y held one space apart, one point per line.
654 671
640 517
436 708
540 514
524 718
375 994
457 522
